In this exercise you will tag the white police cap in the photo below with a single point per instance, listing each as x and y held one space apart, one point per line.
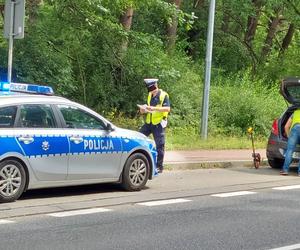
150 81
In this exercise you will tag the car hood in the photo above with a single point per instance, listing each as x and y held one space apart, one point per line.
130 133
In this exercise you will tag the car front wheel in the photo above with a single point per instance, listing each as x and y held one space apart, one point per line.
12 180
135 173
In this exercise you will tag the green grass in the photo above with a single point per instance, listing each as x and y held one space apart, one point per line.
188 140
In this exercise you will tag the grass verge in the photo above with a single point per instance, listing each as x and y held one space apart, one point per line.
178 139
188 138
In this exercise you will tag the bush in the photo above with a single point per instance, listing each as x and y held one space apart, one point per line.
237 103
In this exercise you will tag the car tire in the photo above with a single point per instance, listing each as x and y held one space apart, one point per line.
12 180
276 163
135 173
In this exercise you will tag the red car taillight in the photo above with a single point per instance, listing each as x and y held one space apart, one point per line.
275 130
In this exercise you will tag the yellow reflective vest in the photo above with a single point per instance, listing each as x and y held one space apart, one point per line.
156 117
296 118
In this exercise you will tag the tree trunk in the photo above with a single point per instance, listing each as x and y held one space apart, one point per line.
198 3
253 22
32 6
2 10
126 19
225 21
126 22
287 39
251 29
172 29
272 29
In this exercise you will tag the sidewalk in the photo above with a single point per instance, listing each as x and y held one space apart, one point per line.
211 158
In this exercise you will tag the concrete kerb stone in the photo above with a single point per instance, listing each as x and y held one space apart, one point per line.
211 164
197 159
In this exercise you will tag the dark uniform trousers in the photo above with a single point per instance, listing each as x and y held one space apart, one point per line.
158 133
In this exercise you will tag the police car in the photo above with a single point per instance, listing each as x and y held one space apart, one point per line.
50 141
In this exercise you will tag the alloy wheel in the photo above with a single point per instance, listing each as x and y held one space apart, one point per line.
137 172
10 180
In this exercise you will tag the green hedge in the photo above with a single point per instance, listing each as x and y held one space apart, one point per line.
237 103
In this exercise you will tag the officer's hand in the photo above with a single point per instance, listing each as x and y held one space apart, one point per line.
150 108
143 109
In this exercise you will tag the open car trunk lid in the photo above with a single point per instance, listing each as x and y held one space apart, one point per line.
290 90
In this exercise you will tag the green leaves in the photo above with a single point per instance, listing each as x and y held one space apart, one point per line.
240 102
76 46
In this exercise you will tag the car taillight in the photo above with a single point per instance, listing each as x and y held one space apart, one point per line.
275 130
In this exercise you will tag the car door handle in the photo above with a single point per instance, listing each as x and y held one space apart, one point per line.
26 139
76 140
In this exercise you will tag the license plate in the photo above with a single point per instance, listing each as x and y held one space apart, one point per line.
296 155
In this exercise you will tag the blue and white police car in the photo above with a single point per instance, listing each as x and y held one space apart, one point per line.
50 141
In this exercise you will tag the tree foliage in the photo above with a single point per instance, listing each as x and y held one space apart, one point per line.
97 52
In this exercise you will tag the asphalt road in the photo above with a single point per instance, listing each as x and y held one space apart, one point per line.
202 209
261 220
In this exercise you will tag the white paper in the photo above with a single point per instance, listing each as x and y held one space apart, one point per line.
143 107
164 123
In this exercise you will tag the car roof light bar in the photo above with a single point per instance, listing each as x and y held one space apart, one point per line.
26 88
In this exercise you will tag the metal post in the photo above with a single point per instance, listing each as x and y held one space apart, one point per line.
205 101
11 41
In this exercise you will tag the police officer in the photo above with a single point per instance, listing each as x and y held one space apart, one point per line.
156 110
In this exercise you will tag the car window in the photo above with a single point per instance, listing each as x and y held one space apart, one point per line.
80 119
37 116
294 92
7 116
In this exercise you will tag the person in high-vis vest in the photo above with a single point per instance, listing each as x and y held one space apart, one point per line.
156 111
292 130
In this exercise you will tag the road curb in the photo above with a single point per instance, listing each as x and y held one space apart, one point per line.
211 164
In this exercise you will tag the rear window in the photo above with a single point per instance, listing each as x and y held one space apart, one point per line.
290 90
294 92
7 116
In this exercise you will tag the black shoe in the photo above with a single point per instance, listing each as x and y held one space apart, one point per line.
159 170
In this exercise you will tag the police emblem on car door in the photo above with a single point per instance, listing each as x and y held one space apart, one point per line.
42 142
94 152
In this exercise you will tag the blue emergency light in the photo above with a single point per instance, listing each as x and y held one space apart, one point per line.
4 86
26 88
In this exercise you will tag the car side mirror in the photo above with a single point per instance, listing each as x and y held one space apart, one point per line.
109 127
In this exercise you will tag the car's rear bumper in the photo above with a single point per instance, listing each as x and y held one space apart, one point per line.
276 148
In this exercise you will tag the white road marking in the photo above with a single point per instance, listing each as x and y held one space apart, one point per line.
162 202
6 221
291 247
287 187
79 212
223 195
